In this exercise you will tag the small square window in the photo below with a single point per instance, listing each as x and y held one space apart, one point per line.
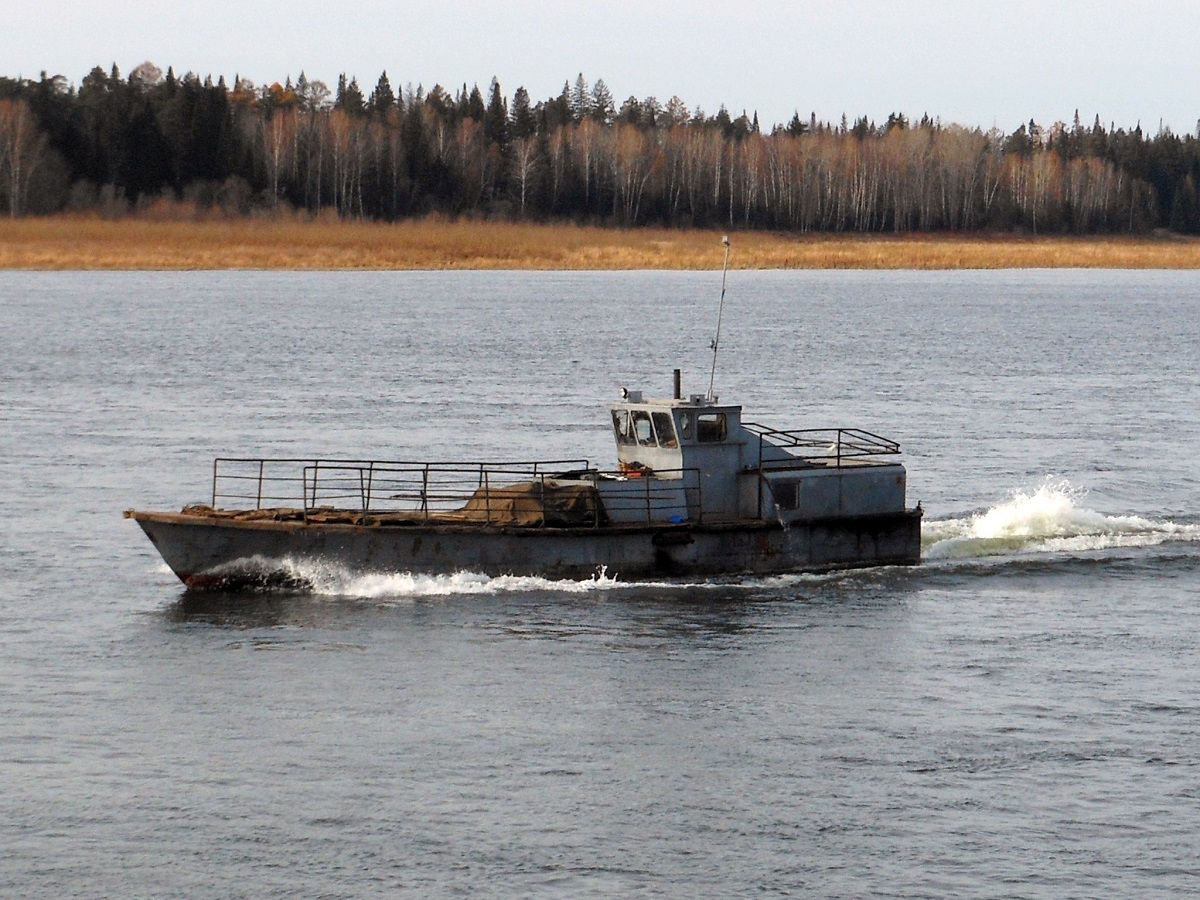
711 428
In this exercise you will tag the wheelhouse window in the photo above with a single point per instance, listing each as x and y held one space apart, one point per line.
623 427
642 428
665 429
634 427
711 428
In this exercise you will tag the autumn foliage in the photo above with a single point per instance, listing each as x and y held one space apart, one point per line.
117 145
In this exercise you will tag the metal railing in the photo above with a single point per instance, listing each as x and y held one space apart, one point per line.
670 495
806 448
543 493
308 483
823 446
424 487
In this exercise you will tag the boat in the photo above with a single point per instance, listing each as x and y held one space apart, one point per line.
696 491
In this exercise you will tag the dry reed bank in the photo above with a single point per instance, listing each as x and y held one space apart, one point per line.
64 242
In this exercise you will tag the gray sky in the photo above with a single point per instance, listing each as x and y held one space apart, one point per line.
974 63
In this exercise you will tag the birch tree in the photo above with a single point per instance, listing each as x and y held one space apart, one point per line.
525 161
22 149
277 137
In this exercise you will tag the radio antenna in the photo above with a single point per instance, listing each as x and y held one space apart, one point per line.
716 341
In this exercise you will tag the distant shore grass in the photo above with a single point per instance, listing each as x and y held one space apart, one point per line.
70 242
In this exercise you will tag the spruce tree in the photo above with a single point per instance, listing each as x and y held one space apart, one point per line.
352 100
560 108
524 123
581 101
651 110
475 108
382 98
602 108
495 122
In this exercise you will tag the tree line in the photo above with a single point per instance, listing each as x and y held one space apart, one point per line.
116 144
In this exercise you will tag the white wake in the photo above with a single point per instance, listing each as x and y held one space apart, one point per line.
1050 518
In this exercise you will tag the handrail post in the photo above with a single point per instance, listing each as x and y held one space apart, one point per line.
261 465
761 478
304 493
487 494
214 484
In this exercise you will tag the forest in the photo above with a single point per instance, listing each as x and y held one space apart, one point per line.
117 145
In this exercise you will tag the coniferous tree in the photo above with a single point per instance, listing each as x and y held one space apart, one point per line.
440 103
675 113
349 96
495 121
474 107
524 123
563 104
651 110
580 100
630 112
601 107
382 99
556 111
723 121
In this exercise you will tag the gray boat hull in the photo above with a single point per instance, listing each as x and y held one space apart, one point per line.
206 552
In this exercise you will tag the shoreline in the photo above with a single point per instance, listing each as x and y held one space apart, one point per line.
147 244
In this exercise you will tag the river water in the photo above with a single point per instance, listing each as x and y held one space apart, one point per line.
1018 716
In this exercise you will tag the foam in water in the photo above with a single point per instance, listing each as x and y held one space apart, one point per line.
330 580
1047 519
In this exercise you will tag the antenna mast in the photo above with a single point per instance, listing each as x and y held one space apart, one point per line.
716 341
